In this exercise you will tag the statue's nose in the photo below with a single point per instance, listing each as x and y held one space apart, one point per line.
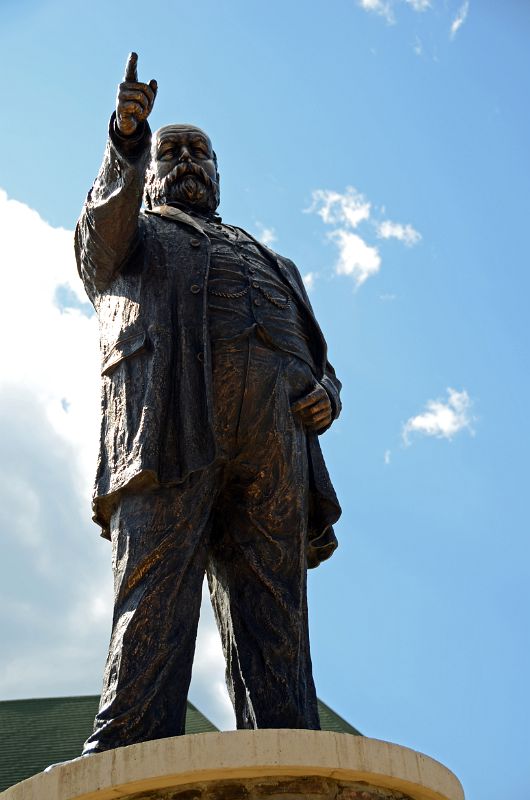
184 154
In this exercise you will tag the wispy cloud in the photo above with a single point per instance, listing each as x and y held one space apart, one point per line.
266 236
384 8
387 457
419 5
440 419
346 212
460 18
391 10
395 230
418 46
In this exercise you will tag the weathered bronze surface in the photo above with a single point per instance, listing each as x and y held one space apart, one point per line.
215 386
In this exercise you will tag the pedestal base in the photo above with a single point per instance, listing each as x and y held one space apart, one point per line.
248 765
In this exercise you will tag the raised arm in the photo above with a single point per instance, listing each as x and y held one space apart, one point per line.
107 231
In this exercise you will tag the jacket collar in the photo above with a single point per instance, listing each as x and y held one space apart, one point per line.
171 212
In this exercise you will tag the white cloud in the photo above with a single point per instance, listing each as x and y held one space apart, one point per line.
350 208
55 585
460 18
442 420
266 236
387 456
55 580
395 230
356 258
381 7
346 212
53 350
309 280
54 565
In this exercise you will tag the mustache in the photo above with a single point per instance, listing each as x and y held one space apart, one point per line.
172 186
188 168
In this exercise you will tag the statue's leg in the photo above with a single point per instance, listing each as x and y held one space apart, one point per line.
159 546
257 568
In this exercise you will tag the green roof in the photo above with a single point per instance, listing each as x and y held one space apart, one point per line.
331 721
38 732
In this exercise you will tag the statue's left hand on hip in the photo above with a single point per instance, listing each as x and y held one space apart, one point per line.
314 410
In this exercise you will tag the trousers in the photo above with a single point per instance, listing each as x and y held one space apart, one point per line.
243 522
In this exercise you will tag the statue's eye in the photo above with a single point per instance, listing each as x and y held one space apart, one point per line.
167 155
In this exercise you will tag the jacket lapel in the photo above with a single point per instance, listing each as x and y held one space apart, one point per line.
170 212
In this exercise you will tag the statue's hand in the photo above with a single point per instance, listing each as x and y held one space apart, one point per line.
314 410
135 100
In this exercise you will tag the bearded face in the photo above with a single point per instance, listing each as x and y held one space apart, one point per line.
183 170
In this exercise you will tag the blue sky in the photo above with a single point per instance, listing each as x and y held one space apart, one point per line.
383 146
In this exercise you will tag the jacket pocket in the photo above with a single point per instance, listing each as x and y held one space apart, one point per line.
122 349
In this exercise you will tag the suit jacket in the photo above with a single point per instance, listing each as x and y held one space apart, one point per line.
146 274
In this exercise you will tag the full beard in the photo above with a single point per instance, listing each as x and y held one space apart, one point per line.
190 191
187 184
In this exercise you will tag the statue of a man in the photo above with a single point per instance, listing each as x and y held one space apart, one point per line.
215 386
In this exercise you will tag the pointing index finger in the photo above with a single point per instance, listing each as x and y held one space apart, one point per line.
131 68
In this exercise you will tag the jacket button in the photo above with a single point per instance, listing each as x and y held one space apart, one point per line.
195 288
255 285
200 356
195 242
257 301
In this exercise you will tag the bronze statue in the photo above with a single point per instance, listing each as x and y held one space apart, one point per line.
215 386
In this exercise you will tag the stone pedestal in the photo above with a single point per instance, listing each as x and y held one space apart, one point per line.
248 765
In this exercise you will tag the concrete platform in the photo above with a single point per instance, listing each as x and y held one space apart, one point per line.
248 765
